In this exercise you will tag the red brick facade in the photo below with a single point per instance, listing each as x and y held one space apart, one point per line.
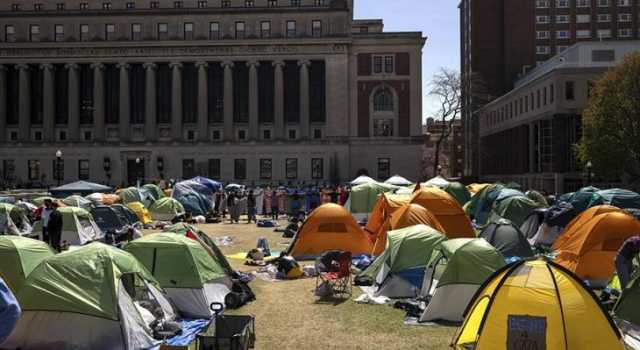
365 89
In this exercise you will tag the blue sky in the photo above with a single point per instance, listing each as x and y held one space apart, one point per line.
437 19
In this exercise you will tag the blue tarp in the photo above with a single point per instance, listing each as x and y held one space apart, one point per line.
190 330
9 311
211 184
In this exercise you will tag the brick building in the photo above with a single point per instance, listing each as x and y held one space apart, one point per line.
237 90
501 40
451 150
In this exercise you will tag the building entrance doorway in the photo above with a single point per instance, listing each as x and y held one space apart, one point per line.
135 171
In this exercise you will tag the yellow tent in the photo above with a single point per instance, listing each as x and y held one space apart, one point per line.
447 210
329 227
142 212
536 305
589 246
406 216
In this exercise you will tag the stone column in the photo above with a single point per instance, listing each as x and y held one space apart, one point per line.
254 122
73 123
24 101
98 101
228 100
203 101
176 106
304 98
125 108
3 102
150 122
48 103
278 104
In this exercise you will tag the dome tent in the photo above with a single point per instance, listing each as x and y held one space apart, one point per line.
399 271
78 227
406 216
141 212
191 278
13 220
87 299
455 272
536 301
363 197
18 257
78 202
507 239
398 180
363 179
447 210
154 191
166 209
515 208
385 206
329 227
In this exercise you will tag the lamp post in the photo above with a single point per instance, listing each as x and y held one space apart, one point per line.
160 165
439 169
106 165
59 166
589 167
138 160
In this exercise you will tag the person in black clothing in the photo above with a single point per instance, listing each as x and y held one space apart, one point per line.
251 207
55 227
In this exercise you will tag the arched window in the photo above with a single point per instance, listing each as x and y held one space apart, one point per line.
383 101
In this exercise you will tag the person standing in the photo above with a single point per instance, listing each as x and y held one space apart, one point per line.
44 216
55 227
232 206
251 207
624 260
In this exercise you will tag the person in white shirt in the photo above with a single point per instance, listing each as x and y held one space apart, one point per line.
46 212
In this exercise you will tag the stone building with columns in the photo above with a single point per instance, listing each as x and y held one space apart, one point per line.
284 91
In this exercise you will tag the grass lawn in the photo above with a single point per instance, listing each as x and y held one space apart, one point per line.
288 315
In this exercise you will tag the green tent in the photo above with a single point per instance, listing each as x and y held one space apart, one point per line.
628 306
537 197
364 197
191 277
507 239
166 209
479 206
78 226
39 201
133 194
78 202
184 229
455 272
87 298
13 220
515 209
616 197
399 271
154 191
459 192
18 257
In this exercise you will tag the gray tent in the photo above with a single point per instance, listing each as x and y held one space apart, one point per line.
82 188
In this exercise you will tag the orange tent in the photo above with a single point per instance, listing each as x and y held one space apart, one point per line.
408 215
583 218
447 211
591 246
329 227
386 205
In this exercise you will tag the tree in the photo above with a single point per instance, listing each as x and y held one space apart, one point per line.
611 123
446 89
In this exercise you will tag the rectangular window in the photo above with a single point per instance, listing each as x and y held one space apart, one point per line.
225 3
163 31
249 3
84 32
106 6
130 5
202 4
562 3
265 29
382 127
583 18
273 3
109 31
9 33
266 134
84 169
34 33
295 3
317 168
34 170
15 7
542 50
604 33
377 64
542 19
569 91
542 4
604 3
316 28
59 29
188 31
177 4
266 167
214 31
542 34
604 18
624 3
563 34
625 33
291 29
136 31
240 169
84 6
214 169
384 168
552 93
562 19
154 4
583 3
188 168
624 17
388 64
240 27
60 6
583 34
291 168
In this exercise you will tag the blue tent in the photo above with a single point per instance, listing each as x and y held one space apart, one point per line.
195 204
211 184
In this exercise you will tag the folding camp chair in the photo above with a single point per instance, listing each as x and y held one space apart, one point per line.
339 281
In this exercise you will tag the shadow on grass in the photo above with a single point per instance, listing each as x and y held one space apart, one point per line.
332 300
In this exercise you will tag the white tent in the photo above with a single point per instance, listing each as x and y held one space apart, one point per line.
437 181
398 180
361 180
